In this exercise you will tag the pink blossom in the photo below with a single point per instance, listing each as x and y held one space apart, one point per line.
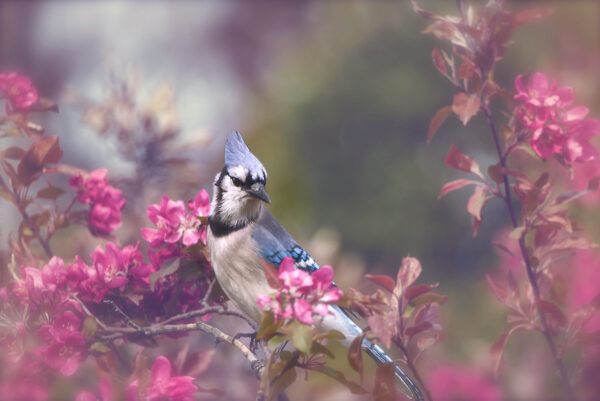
54 274
301 294
111 267
105 393
459 383
106 202
547 140
541 99
585 283
174 223
19 91
163 386
63 351
577 147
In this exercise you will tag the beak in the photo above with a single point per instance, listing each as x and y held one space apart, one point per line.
257 190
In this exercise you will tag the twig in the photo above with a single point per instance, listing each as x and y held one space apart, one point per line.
414 370
530 273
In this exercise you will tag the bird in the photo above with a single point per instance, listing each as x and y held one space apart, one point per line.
242 234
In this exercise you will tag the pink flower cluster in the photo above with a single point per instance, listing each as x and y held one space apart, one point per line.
301 295
176 225
459 383
106 202
18 90
556 128
163 385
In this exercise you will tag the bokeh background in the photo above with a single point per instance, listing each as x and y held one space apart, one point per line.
333 97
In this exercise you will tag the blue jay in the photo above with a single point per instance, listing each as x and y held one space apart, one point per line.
242 234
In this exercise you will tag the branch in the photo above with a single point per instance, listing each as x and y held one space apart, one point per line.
414 370
530 273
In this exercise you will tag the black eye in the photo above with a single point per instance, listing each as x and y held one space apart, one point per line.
236 181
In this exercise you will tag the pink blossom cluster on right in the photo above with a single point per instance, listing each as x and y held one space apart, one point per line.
556 127
301 294
106 201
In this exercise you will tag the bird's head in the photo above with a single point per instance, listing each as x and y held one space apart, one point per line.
239 189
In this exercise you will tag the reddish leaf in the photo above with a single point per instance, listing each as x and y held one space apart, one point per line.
497 349
454 185
44 104
428 298
466 70
339 376
45 150
465 106
438 61
495 173
437 120
498 291
385 383
416 290
355 355
382 280
384 326
556 317
477 201
414 330
531 15
66 170
459 161
271 275
408 273
50 192
13 153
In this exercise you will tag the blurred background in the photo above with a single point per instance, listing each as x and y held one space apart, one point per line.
333 97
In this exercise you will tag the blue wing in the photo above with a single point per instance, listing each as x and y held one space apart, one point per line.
275 243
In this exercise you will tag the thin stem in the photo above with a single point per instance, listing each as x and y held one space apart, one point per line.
530 273
414 371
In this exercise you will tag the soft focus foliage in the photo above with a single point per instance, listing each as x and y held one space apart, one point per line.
105 275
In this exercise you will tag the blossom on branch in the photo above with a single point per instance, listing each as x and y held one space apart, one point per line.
106 201
301 294
174 223
18 90
162 386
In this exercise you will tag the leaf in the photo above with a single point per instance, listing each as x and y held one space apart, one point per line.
339 376
281 383
498 291
300 335
99 347
385 383
438 61
454 185
382 280
477 201
412 331
50 192
13 153
436 121
355 355
465 106
268 326
384 326
318 348
271 275
428 298
44 104
44 151
165 270
66 170
416 290
459 161
497 348
408 273
330 335
495 173
556 317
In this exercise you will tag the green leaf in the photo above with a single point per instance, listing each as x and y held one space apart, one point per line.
268 326
90 326
330 335
300 335
275 341
318 348
164 271
99 347
355 388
